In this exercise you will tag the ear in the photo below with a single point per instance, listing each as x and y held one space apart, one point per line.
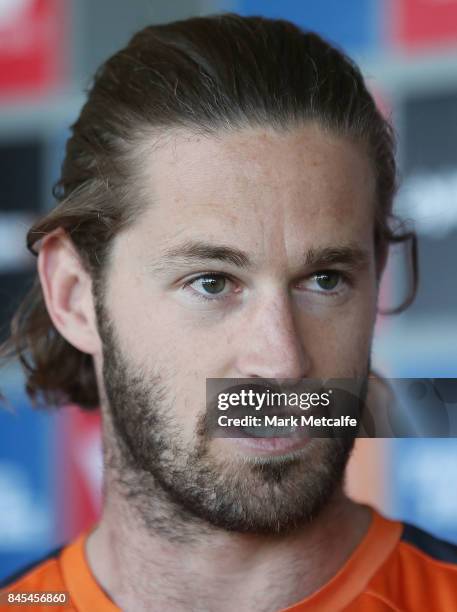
67 290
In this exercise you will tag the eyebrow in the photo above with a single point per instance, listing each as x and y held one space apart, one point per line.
192 252
350 255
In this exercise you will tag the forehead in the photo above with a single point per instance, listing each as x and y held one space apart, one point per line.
258 185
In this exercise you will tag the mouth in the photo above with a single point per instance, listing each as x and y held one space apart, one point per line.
252 436
268 431
269 446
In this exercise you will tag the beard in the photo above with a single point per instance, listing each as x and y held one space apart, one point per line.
181 488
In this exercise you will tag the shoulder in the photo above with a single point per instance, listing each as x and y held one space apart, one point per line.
428 549
420 571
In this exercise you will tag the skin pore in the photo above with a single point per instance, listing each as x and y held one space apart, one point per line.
255 258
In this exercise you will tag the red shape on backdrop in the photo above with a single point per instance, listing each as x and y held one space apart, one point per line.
31 41
424 23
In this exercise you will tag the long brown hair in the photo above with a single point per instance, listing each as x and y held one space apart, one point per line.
204 74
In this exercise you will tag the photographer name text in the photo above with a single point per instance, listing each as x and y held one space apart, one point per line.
290 421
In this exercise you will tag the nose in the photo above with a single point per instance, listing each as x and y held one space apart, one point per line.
272 345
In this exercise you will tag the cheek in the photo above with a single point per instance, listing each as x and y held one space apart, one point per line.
340 343
160 339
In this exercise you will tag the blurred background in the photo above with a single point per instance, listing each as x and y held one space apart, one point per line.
50 466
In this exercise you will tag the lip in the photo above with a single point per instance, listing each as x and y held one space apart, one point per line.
270 446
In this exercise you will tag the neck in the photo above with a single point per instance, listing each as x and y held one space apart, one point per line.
143 564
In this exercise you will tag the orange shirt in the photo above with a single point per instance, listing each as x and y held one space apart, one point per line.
395 567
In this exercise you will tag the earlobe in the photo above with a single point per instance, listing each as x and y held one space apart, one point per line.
67 290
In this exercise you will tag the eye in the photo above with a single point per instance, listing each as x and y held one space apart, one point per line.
210 286
328 280
331 282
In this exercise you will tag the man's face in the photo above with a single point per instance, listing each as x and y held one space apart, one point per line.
222 277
